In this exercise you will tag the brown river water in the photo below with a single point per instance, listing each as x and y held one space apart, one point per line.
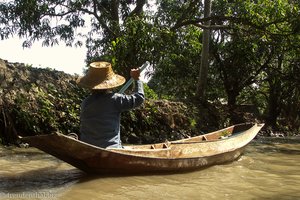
269 169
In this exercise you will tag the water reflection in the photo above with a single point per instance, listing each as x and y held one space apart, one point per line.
268 170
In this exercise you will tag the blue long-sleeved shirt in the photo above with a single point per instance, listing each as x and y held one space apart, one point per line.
100 116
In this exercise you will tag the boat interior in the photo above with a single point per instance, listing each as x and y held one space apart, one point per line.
213 136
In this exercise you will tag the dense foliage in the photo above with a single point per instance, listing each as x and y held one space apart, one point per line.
256 59
253 50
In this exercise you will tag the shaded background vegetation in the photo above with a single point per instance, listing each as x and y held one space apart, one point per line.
253 59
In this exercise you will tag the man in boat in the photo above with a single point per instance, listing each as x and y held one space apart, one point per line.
100 112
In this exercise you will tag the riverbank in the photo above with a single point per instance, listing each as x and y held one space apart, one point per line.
42 101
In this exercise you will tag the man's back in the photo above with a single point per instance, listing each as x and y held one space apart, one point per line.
100 116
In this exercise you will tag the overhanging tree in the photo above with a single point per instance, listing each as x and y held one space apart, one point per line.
75 22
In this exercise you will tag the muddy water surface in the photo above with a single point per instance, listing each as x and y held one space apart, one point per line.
269 169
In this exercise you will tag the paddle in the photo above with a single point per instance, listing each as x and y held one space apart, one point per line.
122 90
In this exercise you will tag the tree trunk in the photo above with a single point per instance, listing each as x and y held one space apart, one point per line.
232 99
202 79
273 106
233 114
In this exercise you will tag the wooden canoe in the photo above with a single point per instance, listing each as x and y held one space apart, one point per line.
174 156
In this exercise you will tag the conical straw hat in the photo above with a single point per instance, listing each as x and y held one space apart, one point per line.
100 76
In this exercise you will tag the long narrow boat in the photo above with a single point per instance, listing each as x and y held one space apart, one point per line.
173 156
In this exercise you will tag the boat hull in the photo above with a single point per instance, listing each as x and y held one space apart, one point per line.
177 156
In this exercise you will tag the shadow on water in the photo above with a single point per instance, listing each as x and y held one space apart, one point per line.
14 152
281 150
52 178
26 170
273 147
42 178
280 140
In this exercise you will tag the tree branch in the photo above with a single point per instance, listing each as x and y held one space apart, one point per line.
184 15
96 7
138 8
212 27
244 21
251 78
201 21
115 10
